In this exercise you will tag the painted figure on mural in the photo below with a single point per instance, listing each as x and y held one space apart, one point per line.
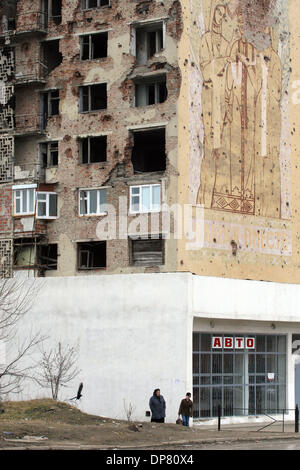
246 168
213 53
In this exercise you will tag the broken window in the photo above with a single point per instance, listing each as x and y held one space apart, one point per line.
52 58
91 255
47 257
150 91
46 205
147 252
149 40
92 202
145 198
49 105
148 153
92 97
24 253
24 201
49 154
93 46
93 149
87 4
52 9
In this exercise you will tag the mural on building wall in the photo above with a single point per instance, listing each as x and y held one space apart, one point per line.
243 149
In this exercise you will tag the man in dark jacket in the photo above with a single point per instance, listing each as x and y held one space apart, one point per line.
186 409
157 406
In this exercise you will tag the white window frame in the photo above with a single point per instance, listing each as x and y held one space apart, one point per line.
141 209
87 199
22 190
47 201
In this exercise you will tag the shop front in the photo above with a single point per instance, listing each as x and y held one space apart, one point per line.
244 373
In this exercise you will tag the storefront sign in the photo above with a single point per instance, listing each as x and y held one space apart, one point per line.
228 342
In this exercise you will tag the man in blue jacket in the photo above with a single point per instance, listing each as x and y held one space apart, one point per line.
157 406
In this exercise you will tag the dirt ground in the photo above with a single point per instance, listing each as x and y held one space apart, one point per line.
47 422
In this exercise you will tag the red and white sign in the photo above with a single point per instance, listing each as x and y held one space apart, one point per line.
228 342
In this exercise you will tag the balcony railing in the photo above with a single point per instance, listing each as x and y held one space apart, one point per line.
27 73
26 22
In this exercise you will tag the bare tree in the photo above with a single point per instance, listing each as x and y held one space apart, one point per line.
58 368
16 298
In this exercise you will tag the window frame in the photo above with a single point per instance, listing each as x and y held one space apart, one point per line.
82 37
141 210
88 203
22 190
49 152
88 139
85 2
47 201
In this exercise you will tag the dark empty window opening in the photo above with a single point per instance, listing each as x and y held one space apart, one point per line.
150 92
55 11
149 41
93 46
93 149
148 153
47 257
91 255
93 97
49 154
147 252
52 58
87 4
49 105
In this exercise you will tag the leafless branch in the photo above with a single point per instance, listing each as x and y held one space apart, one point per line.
58 368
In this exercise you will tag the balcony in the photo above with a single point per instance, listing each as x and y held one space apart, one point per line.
25 23
29 172
27 74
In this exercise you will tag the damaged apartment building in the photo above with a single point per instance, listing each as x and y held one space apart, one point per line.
87 115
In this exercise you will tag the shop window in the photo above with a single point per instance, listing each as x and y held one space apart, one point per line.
92 202
89 4
91 255
148 92
49 154
92 97
93 149
55 11
145 198
148 153
93 46
147 252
